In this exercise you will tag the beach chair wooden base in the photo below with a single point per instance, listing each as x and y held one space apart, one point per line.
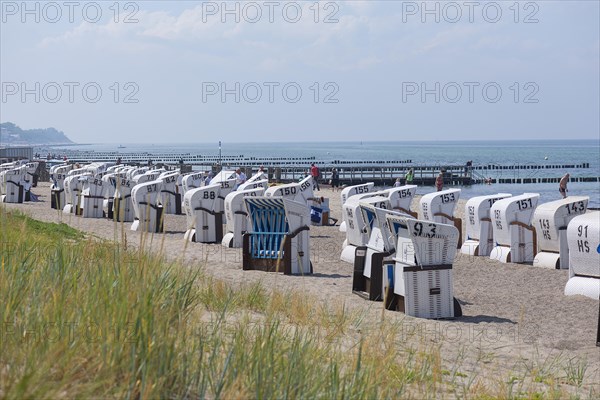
154 224
57 199
395 302
273 262
211 231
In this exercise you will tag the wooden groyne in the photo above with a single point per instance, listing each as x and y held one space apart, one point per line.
382 172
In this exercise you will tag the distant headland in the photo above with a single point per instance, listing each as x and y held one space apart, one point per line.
12 135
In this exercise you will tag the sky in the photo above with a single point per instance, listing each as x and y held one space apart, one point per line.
188 71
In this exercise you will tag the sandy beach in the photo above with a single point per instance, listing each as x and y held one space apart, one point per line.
515 317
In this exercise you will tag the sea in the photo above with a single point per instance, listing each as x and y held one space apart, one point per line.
431 153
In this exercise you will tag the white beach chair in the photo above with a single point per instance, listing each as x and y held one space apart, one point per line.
551 220
146 205
514 236
92 197
349 191
204 209
440 206
420 282
583 237
58 173
480 237
236 214
123 210
279 239
12 185
109 182
170 196
73 187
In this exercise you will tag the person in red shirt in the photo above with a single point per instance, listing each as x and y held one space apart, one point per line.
439 182
314 171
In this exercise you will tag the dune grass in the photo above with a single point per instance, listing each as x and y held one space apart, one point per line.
85 318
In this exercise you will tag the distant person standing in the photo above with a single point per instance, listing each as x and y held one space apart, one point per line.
398 183
562 186
408 178
335 179
439 182
314 171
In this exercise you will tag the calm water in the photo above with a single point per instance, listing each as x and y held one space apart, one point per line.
424 153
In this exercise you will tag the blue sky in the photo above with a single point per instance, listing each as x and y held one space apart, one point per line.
159 72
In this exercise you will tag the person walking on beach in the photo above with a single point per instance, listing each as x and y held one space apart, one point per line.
335 179
398 183
562 186
408 178
314 171
439 182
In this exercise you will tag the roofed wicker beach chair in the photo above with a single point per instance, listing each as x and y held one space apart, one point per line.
349 191
279 239
147 207
551 220
170 196
514 236
204 209
92 197
480 237
420 281
583 238
58 173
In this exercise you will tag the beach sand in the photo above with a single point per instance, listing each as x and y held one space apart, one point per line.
515 317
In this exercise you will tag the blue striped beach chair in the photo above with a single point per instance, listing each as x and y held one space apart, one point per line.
279 240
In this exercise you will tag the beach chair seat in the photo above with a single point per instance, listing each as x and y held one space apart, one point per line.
440 206
279 239
146 205
369 259
236 214
92 196
514 236
550 221
349 191
204 209
583 238
420 280
170 196
480 237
